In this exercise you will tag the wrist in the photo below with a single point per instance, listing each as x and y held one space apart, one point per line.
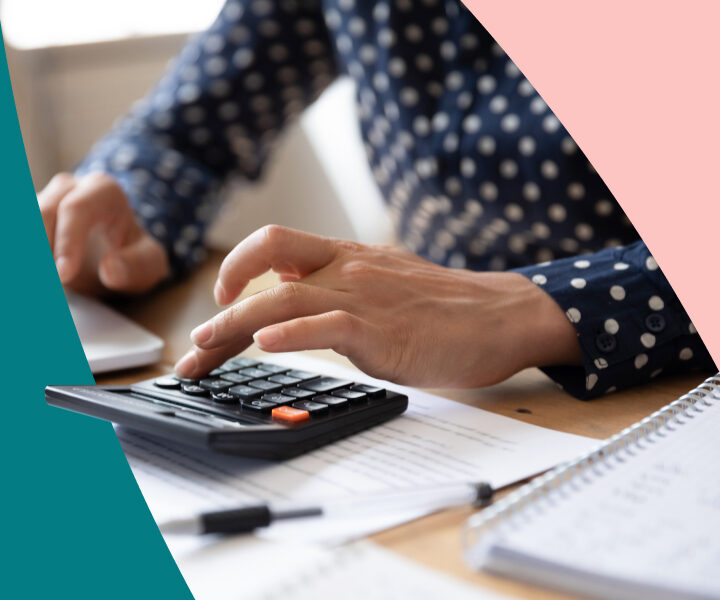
544 333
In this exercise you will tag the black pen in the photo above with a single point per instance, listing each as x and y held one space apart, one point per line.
248 518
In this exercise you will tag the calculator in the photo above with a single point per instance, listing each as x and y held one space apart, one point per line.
246 407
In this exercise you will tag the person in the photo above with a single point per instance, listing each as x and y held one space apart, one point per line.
515 252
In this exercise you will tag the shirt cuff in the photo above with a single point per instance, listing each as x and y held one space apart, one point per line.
626 322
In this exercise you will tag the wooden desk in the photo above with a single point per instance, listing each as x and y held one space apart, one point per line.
529 396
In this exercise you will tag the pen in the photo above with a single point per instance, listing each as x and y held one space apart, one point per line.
248 518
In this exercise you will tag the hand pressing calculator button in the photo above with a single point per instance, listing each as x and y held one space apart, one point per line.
246 407
288 413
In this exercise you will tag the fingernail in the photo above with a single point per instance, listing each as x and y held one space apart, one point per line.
61 264
219 293
116 270
187 364
267 337
202 333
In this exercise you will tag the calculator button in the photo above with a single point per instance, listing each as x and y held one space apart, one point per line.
302 375
235 377
314 408
265 386
279 398
217 372
167 383
239 362
274 369
353 396
244 392
223 398
332 401
262 406
215 385
372 391
193 390
297 392
322 385
288 413
185 379
284 379
253 373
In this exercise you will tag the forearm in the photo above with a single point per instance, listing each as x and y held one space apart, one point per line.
215 113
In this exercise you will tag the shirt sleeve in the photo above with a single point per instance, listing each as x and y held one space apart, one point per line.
630 325
216 112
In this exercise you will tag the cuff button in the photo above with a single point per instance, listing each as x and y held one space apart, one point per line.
655 323
606 342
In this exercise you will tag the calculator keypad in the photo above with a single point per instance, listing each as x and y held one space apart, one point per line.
265 392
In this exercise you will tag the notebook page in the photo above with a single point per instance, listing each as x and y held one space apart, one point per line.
649 518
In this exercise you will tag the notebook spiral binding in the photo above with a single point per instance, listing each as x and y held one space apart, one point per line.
482 523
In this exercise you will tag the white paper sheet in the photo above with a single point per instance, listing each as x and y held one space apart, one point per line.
436 440
259 570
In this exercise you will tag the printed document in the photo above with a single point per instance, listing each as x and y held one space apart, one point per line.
435 441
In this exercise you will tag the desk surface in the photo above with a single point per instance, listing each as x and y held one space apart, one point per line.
528 396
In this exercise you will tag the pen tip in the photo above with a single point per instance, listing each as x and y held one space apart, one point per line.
180 527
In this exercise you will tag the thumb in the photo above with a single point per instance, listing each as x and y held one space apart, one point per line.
136 267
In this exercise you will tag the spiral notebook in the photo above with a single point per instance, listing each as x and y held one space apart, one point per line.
638 517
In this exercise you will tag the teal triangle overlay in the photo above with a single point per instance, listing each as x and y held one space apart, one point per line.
75 524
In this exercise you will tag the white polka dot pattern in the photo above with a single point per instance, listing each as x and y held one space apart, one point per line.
476 170
629 324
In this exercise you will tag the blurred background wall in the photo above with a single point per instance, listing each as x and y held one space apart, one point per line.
76 65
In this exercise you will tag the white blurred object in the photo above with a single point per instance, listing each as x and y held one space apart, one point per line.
319 180
43 23
245 567
111 341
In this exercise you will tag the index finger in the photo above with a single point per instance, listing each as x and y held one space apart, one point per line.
95 200
284 250
49 198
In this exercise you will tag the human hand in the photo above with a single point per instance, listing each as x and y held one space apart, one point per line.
394 315
96 241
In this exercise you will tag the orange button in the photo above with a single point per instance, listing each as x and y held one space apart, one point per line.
288 413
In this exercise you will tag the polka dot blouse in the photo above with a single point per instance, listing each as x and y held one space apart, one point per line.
476 170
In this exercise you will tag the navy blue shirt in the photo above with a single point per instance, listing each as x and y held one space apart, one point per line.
476 170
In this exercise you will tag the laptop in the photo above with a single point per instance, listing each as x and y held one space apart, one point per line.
111 341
